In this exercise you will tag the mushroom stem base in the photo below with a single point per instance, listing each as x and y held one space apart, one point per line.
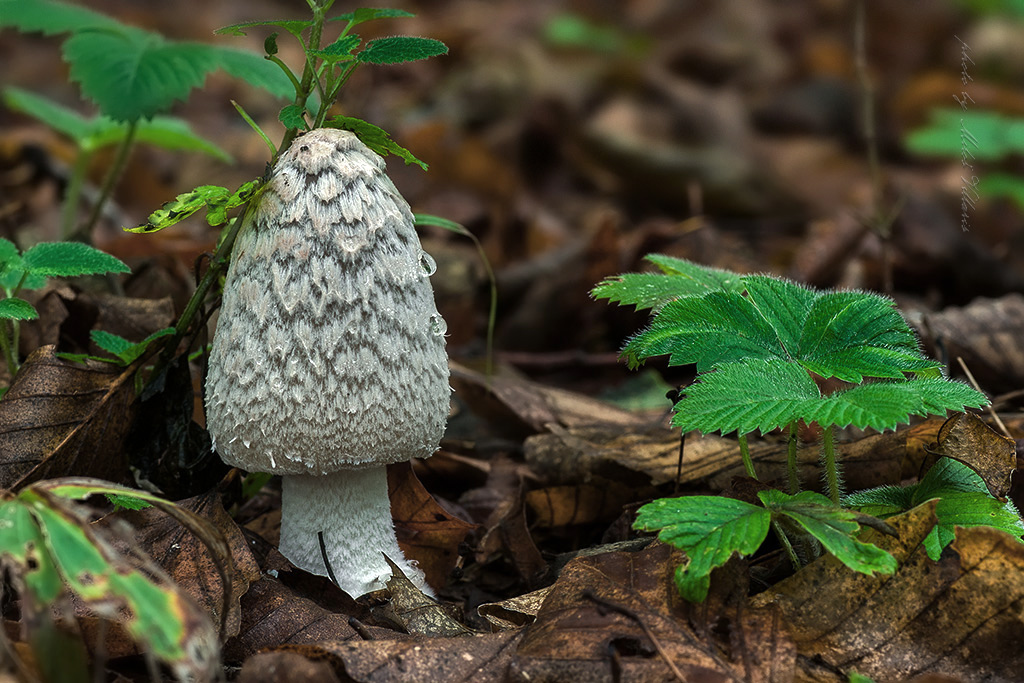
352 509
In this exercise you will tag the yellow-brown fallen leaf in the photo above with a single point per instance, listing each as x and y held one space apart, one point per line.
961 616
968 439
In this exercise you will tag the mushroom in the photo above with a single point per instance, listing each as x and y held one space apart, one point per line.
329 360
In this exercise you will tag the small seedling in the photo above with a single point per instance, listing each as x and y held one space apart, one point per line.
21 272
761 345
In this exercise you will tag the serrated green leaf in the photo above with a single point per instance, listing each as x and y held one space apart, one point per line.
126 351
293 116
374 137
709 529
680 278
883 501
398 49
10 255
785 305
70 259
339 50
14 308
364 14
757 394
720 327
132 74
834 527
125 502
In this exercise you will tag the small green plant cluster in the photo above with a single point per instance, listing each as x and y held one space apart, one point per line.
762 346
976 136
20 272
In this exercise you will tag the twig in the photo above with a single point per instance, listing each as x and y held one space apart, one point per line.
991 411
626 612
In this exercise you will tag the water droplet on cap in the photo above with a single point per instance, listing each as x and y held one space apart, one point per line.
437 325
428 263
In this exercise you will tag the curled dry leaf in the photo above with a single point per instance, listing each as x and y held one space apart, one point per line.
413 612
965 437
954 617
427 533
513 613
61 418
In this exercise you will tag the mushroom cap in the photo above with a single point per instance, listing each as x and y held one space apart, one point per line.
329 351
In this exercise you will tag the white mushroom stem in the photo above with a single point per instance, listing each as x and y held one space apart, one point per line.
352 509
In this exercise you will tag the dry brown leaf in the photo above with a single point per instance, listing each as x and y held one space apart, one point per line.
412 612
958 616
965 437
986 334
61 418
427 533
508 615
187 557
272 615
556 506
480 658
617 616
285 667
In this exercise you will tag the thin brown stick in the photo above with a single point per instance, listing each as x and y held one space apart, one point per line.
991 411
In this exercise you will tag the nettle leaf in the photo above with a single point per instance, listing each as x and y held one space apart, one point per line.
13 308
679 279
398 49
719 327
835 528
785 305
853 334
766 394
374 137
10 255
70 259
709 529
369 14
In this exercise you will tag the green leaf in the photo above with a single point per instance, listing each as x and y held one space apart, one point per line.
784 304
1003 185
126 351
425 219
397 49
10 255
746 396
217 200
375 138
94 133
339 50
70 259
709 529
719 327
972 134
679 278
125 502
852 334
293 116
51 17
834 527
60 118
14 308
364 14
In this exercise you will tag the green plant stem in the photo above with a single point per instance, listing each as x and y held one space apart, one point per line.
780 533
828 449
308 72
73 193
794 476
124 148
748 464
